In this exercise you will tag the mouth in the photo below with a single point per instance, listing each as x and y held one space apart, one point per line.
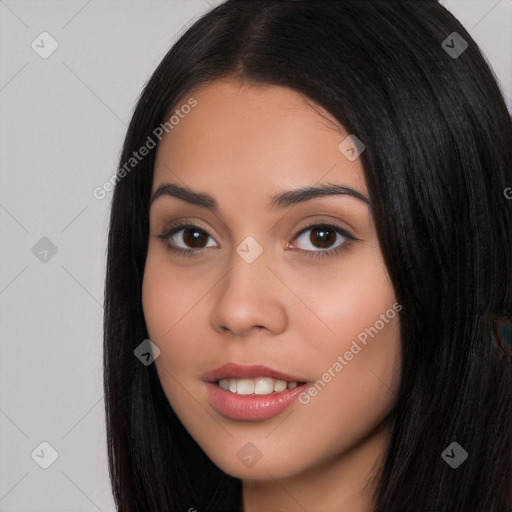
251 392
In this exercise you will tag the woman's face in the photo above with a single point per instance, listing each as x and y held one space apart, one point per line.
299 323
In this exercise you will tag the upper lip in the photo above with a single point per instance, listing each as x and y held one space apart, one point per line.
236 371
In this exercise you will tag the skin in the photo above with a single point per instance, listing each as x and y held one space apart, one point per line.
242 144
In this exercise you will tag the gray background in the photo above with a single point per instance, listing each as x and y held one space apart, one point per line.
63 120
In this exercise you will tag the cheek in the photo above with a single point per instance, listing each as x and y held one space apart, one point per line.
167 295
355 350
349 302
368 375
171 302
356 385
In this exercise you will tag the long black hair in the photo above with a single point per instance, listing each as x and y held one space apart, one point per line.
438 159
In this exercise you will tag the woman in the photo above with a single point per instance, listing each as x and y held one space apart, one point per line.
355 369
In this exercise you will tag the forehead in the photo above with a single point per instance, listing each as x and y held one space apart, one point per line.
250 138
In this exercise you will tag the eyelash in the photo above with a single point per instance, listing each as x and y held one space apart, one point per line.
313 254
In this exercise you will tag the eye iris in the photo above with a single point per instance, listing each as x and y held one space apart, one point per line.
197 236
323 239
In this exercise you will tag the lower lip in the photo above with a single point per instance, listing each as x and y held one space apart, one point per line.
251 407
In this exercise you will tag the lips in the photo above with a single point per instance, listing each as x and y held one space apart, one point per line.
252 392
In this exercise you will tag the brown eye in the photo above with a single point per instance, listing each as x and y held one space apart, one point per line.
322 237
193 237
186 238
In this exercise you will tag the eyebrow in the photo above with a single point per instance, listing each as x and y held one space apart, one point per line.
278 202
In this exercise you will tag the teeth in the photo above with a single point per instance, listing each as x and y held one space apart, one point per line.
258 386
264 386
244 387
280 385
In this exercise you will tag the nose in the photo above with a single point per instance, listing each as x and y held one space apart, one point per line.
249 298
